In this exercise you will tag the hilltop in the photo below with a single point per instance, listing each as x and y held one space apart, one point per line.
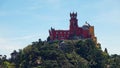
62 54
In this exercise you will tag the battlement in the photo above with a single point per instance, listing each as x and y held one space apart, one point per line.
73 15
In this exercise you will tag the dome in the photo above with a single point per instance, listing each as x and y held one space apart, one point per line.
86 25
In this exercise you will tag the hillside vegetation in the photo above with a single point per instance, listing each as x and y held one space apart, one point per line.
62 54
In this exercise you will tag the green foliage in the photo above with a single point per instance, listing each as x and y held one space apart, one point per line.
91 53
114 61
7 64
63 54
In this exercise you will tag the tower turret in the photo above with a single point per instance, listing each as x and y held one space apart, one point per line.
73 15
73 22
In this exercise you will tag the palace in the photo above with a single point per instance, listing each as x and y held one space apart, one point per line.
75 32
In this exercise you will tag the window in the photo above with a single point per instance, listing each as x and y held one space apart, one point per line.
56 36
56 32
64 32
68 32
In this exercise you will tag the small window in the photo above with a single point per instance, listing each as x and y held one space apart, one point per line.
64 32
56 36
67 35
68 32
56 32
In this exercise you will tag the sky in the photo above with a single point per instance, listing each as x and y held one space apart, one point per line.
25 21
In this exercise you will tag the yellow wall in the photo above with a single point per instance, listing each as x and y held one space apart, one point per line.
91 29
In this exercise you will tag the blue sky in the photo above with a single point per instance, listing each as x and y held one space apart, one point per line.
25 21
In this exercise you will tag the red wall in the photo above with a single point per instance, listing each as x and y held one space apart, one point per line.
64 34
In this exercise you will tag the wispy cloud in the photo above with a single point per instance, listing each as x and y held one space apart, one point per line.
7 45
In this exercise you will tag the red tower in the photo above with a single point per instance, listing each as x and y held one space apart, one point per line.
73 23
74 32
